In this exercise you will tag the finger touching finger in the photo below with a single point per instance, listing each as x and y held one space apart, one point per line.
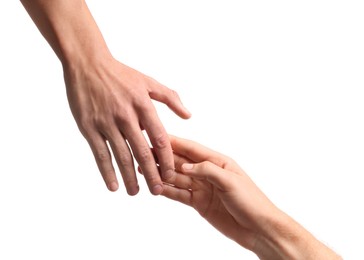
179 161
217 176
177 194
145 159
160 142
180 180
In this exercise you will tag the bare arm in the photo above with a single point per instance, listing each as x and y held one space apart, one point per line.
69 28
110 101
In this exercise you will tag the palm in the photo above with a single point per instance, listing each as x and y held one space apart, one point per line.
206 199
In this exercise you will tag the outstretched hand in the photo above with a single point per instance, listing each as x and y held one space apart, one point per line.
228 199
111 104
110 101
218 189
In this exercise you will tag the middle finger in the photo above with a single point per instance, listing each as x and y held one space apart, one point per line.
144 157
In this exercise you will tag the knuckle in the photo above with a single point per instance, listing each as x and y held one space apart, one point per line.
161 142
102 155
203 166
144 155
222 161
143 104
85 126
102 123
171 96
228 163
124 116
125 160
174 93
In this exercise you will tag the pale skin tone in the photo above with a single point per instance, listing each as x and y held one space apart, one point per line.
110 101
222 193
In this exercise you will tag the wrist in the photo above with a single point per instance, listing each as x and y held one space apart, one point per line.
75 61
284 238
278 237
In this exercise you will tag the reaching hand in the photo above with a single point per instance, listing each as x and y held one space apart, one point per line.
112 104
218 189
226 197
110 101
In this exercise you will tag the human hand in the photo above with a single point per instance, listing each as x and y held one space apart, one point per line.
111 103
216 187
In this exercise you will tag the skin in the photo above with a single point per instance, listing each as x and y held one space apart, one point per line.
111 102
222 193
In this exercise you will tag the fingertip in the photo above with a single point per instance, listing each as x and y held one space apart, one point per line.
183 112
113 186
186 167
187 113
157 190
177 106
133 190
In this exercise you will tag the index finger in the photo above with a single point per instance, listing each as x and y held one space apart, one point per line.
144 157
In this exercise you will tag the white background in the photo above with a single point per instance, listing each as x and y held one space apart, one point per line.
277 85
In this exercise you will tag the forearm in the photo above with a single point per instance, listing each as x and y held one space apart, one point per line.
69 28
284 238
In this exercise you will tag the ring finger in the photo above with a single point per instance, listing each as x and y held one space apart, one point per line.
124 160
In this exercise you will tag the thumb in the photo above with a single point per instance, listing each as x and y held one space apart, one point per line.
171 99
210 172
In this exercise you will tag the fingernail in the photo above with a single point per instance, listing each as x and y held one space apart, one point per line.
168 174
157 189
113 186
133 190
188 112
187 166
